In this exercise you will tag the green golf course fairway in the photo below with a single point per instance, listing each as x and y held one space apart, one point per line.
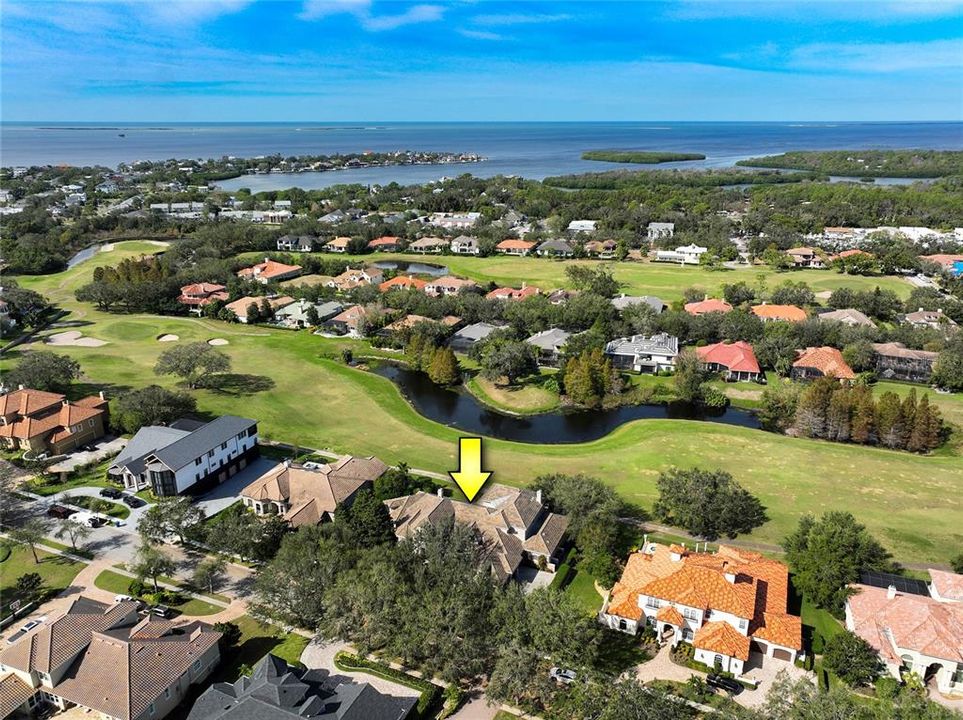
911 503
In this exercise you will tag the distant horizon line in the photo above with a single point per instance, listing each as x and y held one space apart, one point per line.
112 124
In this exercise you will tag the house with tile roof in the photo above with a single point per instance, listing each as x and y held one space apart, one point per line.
726 604
337 245
448 285
895 361
402 282
385 243
847 316
515 524
356 277
513 246
197 295
510 293
644 354
278 691
465 245
428 245
187 457
269 271
774 313
108 660
709 305
936 319
240 306
735 361
46 422
348 321
805 257
817 362
310 494
922 634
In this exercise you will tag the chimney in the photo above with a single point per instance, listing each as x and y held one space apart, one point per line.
20 386
891 592
441 492
538 496
101 395
729 575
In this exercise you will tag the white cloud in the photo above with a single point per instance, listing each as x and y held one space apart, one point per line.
480 34
876 11
362 10
519 19
879 57
413 15
191 11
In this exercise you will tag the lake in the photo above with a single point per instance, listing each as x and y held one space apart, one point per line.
459 409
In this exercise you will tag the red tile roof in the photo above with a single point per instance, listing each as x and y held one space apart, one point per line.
514 244
828 360
722 638
508 293
707 306
405 282
268 269
790 313
737 356
385 241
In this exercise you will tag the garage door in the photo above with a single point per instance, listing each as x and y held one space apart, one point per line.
781 654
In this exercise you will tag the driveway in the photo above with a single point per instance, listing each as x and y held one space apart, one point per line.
319 655
228 492
103 449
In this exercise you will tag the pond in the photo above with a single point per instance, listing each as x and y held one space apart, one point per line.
414 268
460 409
84 254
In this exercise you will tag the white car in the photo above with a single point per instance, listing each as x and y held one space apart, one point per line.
562 676
123 598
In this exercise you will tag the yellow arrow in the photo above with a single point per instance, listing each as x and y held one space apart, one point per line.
469 476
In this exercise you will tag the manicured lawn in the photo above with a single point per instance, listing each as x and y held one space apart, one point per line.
257 640
821 621
116 510
95 476
116 583
911 503
665 280
57 572
525 398
581 588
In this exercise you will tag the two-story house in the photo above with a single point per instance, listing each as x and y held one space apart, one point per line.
725 604
108 660
640 353
465 245
269 271
187 457
45 422
895 361
197 295
310 494
817 362
805 257
515 524
915 627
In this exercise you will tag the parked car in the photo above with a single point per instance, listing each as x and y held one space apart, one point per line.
161 611
60 511
122 598
733 687
562 676
24 630
133 501
112 493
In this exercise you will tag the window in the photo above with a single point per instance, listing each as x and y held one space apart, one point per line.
622 624
651 602
167 692
210 453
198 461
743 624
690 614
687 634
90 423
252 432
223 446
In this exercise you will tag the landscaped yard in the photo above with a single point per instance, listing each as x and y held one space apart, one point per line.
820 621
57 572
120 584
257 640
525 398
581 588
99 505
94 476
912 503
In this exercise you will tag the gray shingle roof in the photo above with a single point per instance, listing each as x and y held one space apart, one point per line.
551 339
147 440
277 691
476 331
625 301
186 449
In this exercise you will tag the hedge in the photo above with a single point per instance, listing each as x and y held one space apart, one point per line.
429 691
561 577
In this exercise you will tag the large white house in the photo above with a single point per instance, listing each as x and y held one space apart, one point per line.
187 456
726 604
644 354
914 627
684 254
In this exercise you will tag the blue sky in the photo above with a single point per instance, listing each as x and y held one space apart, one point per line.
343 60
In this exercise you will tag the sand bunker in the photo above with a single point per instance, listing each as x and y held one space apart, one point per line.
73 338
217 341
168 338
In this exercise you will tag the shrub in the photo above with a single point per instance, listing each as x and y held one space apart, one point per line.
230 633
561 577
887 688
136 588
429 691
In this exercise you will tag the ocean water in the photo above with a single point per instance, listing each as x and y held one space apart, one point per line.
532 150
